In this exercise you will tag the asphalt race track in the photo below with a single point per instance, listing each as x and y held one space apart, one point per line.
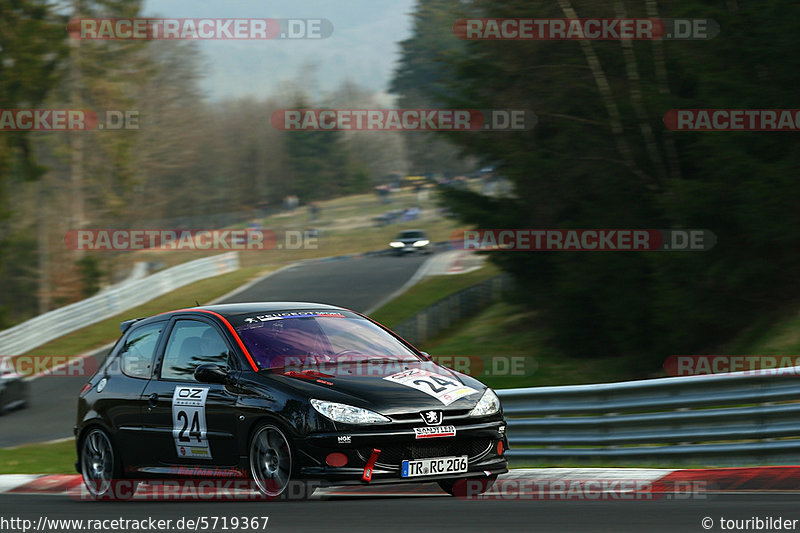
358 283
427 513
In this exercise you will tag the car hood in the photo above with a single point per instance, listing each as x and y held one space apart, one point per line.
369 387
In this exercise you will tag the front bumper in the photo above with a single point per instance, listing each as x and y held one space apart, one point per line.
478 441
410 249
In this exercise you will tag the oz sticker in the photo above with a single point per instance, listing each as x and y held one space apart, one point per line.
189 428
445 389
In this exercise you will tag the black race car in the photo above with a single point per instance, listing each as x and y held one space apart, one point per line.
279 392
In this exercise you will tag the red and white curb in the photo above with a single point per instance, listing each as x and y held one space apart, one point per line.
749 479
38 483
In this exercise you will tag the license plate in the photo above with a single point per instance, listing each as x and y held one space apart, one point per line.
434 466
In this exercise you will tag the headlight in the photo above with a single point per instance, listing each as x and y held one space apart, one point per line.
339 412
396 244
423 242
489 404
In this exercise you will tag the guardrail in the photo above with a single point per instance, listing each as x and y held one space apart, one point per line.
750 417
53 324
439 316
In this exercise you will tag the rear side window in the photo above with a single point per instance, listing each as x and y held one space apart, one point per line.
136 356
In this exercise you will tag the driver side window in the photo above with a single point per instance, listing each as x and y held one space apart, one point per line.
192 343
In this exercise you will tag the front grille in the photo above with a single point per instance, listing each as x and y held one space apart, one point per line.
448 416
393 455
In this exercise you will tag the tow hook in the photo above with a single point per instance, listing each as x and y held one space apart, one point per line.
367 475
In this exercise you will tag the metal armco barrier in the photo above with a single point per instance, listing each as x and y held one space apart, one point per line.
53 324
737 418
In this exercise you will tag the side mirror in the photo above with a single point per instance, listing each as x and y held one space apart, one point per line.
210 373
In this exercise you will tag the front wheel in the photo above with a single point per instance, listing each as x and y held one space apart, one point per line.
466 487
270 460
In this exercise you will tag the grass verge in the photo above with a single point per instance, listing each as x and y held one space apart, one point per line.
772 335
429 291
46 458
514 352
501 344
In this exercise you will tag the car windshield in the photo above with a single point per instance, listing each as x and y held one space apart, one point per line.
283 339
411 235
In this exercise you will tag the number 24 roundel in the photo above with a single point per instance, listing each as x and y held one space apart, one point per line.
189 430
444 388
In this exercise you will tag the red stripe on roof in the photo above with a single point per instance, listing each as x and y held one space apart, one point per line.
230 328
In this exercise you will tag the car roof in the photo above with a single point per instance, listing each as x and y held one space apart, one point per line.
261 307
232 310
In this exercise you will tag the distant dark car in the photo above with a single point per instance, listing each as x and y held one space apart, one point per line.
14 390
410 241
279 392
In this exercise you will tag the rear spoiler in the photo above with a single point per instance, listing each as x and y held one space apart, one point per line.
123 326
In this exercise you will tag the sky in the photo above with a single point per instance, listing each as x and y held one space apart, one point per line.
363 48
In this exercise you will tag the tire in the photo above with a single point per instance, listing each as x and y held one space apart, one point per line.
466 487
101 468
271 460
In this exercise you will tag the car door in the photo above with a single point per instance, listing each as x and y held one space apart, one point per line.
186 422
119 392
